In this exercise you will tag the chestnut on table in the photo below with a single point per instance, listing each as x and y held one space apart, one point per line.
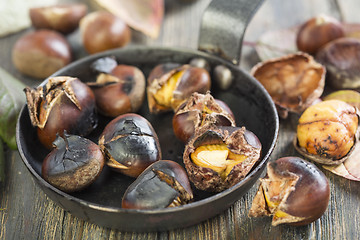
27 213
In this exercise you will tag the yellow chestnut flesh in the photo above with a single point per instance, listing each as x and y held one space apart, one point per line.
164 95
327 129
218 157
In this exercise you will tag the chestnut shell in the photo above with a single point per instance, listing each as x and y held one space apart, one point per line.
300 188
130 144
163 184
238 140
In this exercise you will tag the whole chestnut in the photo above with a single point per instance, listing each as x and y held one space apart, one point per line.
102 31
41 53
326 131
130 144
341 58
199 110
73 164
170 84
218 157
163 184
316 32
121 91
294 192
63 103
63 18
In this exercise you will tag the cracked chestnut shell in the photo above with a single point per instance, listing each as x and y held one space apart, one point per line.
63 103
294 192
199 110
170 84
73 164
120 91
163 184
341 58
130 144
327 132
293 81
217 158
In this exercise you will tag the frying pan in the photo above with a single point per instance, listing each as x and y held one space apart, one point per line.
224 23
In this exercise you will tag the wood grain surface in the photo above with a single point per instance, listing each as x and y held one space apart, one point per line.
27 213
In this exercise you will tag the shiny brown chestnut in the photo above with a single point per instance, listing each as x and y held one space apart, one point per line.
316 32
294 192
41 53
163 184
63 18
121 91
63 103
341 58
102 31
170 84
73 164
130 144
218 157
199 110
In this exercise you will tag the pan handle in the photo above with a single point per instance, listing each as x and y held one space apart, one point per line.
223 27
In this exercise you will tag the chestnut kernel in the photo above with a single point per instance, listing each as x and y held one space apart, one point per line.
121 91
63 18
294 192
163 184
217 158
170 84
63 103
41 53
197 111
130 144
326 132
317 31
73 164
102 31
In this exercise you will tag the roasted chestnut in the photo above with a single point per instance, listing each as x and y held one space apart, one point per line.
294 192
121 91
170 84
63 103
197 111
130 144
41 53
63 18
102 31
294 81
73 164
163 184
317 31
223 77
341 58
217 158
326 132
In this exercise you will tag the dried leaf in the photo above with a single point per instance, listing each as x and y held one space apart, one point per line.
143 15
276 43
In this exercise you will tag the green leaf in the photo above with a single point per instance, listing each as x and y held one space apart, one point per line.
12 98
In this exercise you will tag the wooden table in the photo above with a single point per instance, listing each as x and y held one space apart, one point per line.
27 213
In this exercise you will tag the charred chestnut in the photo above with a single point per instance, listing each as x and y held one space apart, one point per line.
170 84
326 132
217 158
197 111
73 164
63 103
294 191
163 184
121 91
130 144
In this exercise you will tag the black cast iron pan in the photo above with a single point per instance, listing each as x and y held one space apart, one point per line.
223 26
